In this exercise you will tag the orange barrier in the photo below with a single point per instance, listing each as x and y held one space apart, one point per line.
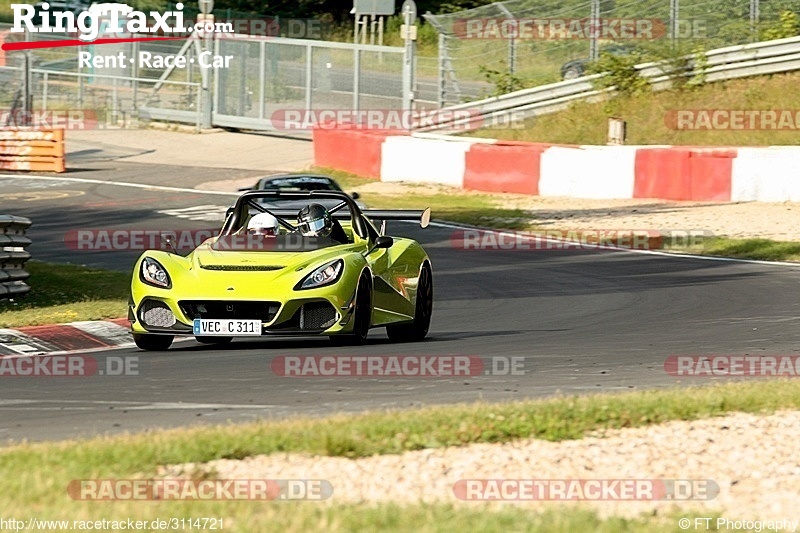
351 149
683 173
32 150
504 167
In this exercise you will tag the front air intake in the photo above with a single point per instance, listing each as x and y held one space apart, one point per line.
317 315
156 314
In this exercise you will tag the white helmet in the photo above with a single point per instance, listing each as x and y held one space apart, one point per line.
263 224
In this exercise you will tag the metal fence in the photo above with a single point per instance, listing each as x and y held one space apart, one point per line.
476 46
266 78
780 55
13 256
272 76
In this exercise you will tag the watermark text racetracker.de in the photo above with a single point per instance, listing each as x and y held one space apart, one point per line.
105 240
558 29
733 119
732 365
67 366
177 489
578 239
392 119
585 489
399 366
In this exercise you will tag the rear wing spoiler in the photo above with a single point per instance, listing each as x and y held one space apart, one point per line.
423 218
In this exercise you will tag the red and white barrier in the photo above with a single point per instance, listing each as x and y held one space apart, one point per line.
767 174
423 160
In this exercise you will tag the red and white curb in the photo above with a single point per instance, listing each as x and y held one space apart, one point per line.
59 339
681 173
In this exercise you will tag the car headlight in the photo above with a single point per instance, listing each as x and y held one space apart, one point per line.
324 275
153 273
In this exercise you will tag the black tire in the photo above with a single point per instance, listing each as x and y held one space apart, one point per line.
362 316
213 340
418 329
153 343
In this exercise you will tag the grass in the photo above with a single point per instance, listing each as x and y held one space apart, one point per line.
36 474
761 249
67 293
587 123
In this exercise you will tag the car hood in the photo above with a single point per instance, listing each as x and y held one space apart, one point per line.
206 258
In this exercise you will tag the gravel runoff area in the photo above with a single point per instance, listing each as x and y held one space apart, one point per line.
753 459
776 221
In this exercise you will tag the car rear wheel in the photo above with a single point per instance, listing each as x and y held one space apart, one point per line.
362 316
153 343
213 340
418 329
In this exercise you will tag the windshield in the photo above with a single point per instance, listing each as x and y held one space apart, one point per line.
300 184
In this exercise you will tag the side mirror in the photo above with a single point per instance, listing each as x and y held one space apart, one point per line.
384 241
355 196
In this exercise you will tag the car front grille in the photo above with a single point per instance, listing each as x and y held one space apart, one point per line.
317 315
243 268
215 309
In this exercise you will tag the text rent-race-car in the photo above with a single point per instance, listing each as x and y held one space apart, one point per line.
240 284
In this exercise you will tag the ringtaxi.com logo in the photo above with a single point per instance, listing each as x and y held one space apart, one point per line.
67 366
585 489
403 366
200 490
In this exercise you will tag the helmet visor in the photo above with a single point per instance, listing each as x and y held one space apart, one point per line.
312 227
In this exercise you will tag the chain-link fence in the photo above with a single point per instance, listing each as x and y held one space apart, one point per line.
533 42
266 77
274 76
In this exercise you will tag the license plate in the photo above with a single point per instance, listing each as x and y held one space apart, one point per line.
226 328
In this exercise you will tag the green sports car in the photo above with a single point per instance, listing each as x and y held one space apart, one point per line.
287 282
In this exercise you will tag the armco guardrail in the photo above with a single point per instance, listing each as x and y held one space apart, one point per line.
32 149
13 256
768 57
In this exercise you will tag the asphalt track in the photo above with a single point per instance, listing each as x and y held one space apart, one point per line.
584 321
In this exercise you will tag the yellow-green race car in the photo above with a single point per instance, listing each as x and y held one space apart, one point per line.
323 271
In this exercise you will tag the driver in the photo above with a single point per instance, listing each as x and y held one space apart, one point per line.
316 221
263 224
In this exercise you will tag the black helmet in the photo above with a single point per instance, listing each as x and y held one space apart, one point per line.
314 221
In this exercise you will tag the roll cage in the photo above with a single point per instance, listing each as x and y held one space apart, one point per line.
238 214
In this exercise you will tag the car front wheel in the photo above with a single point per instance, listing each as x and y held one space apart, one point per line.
362 316
153 343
